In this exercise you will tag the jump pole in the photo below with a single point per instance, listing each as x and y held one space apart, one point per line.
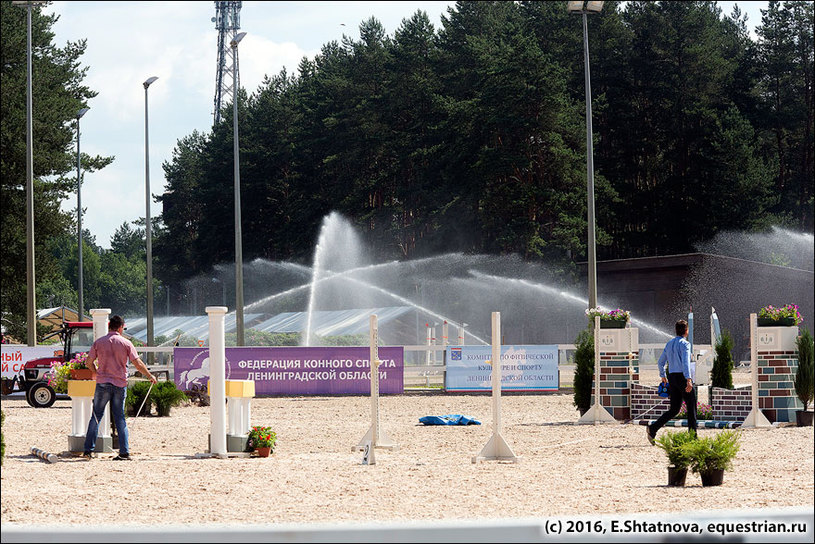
375 437
496 448
44 455
596 414
756 417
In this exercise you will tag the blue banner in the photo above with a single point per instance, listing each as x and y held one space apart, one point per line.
523 368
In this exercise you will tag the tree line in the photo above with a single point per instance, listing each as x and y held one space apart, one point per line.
467 137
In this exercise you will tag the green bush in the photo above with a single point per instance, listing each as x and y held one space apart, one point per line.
722 373
706 454
672 443
805 375
583 370
136 394
166 395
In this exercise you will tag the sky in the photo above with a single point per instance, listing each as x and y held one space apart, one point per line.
128 42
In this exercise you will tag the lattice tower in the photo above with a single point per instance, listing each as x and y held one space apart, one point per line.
227 21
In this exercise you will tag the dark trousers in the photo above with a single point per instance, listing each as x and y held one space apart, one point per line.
676 391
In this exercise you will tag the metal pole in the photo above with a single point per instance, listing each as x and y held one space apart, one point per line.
147 228
238 238
592 251
31 304
81 308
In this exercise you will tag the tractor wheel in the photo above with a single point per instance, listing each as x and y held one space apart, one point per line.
41 395
28 396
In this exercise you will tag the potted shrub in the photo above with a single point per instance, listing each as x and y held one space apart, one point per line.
805 378
672 444
784 316
137 398
711 456
165 396
262 440
583 370
609 319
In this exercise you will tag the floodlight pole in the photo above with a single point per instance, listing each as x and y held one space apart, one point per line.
238 237
81 309
583 9
31 303
147 226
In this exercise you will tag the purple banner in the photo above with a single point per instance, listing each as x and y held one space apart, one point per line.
332 370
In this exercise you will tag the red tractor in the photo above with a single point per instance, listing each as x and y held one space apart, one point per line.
33 379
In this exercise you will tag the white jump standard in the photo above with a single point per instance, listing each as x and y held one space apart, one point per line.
81 393
497 448
597 413
375 437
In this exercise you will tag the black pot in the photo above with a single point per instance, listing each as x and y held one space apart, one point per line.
612 324
804 418
676 476
713 477
770 322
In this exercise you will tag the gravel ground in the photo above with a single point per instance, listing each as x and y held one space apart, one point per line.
313 476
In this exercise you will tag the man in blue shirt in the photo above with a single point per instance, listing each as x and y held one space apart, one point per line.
679 379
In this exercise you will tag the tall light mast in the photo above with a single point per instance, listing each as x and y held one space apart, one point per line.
227 21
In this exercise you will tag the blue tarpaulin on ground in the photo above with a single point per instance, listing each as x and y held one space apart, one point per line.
450 419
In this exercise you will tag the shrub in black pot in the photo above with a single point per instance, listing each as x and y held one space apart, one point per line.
805 377
136 395
166 395
711 456
672 443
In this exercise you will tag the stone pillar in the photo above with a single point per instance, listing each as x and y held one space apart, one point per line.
777 365
619 369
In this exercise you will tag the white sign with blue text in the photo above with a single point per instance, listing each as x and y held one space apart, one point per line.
523 368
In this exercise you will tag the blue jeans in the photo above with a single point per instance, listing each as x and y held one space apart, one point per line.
104 393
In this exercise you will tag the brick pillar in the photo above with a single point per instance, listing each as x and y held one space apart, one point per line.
777 365
619 369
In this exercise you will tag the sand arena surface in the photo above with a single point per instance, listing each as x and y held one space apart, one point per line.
313 476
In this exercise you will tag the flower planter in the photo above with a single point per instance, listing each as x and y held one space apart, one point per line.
804 418
81 374
263 452
713 477
676 476
612 324
770 322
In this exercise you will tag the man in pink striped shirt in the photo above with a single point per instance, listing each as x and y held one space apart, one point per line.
112 352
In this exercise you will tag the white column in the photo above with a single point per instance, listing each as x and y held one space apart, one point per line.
100 329
100 322
217 380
